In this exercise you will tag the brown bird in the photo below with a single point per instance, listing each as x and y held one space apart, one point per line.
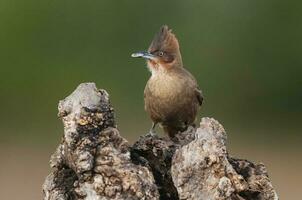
172 97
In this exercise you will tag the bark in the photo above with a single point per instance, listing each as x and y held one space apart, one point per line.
93 161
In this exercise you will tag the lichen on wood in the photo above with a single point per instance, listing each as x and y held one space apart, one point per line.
93 160
93 151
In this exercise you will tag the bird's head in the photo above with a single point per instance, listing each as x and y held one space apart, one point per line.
163 53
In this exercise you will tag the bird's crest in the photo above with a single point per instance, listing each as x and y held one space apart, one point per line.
164 40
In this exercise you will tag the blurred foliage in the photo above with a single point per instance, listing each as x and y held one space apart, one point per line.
245 55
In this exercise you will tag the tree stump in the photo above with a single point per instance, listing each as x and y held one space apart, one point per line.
94 162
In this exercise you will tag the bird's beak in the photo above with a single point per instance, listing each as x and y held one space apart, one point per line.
143 54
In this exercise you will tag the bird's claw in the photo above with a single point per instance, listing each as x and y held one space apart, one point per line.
151 133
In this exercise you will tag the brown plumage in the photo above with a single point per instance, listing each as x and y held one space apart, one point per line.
172 96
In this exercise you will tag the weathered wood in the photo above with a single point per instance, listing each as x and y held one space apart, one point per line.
93 161
93 155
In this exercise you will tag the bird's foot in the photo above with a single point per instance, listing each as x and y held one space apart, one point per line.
151 133
191 128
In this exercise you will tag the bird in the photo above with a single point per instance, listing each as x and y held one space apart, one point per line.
172 96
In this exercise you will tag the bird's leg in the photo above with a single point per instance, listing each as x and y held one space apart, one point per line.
152 130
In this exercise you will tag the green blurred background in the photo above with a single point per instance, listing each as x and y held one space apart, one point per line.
245 55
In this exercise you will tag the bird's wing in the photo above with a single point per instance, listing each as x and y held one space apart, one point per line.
199 95
198 92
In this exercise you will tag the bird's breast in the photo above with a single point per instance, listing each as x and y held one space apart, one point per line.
171 97
165 87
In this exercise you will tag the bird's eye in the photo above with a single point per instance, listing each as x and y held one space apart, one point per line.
160 53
